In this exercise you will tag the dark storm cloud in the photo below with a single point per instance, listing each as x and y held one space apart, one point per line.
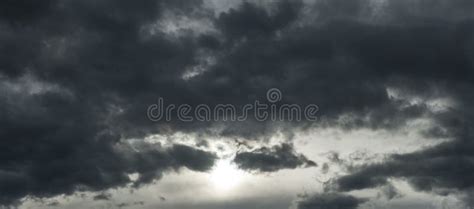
102 196
97 65
62 66
130 204
393 12
24 11
91 165
329 201
272 159
442 169
251 21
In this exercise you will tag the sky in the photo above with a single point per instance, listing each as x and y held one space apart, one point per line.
237 104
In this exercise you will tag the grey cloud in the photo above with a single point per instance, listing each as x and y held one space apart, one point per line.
98 51
251 21
24 11
55 143
272 159
442 169
389 192
445 166
329 201
393 12
97 170
129 204
102 196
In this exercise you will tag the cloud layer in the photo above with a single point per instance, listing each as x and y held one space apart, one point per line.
77 77
272 159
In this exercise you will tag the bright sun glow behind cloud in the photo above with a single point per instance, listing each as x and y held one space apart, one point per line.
226 176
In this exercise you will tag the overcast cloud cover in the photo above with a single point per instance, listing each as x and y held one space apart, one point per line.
77 78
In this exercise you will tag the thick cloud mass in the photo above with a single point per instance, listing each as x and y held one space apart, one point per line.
441 169
77 77
330 201
272 159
